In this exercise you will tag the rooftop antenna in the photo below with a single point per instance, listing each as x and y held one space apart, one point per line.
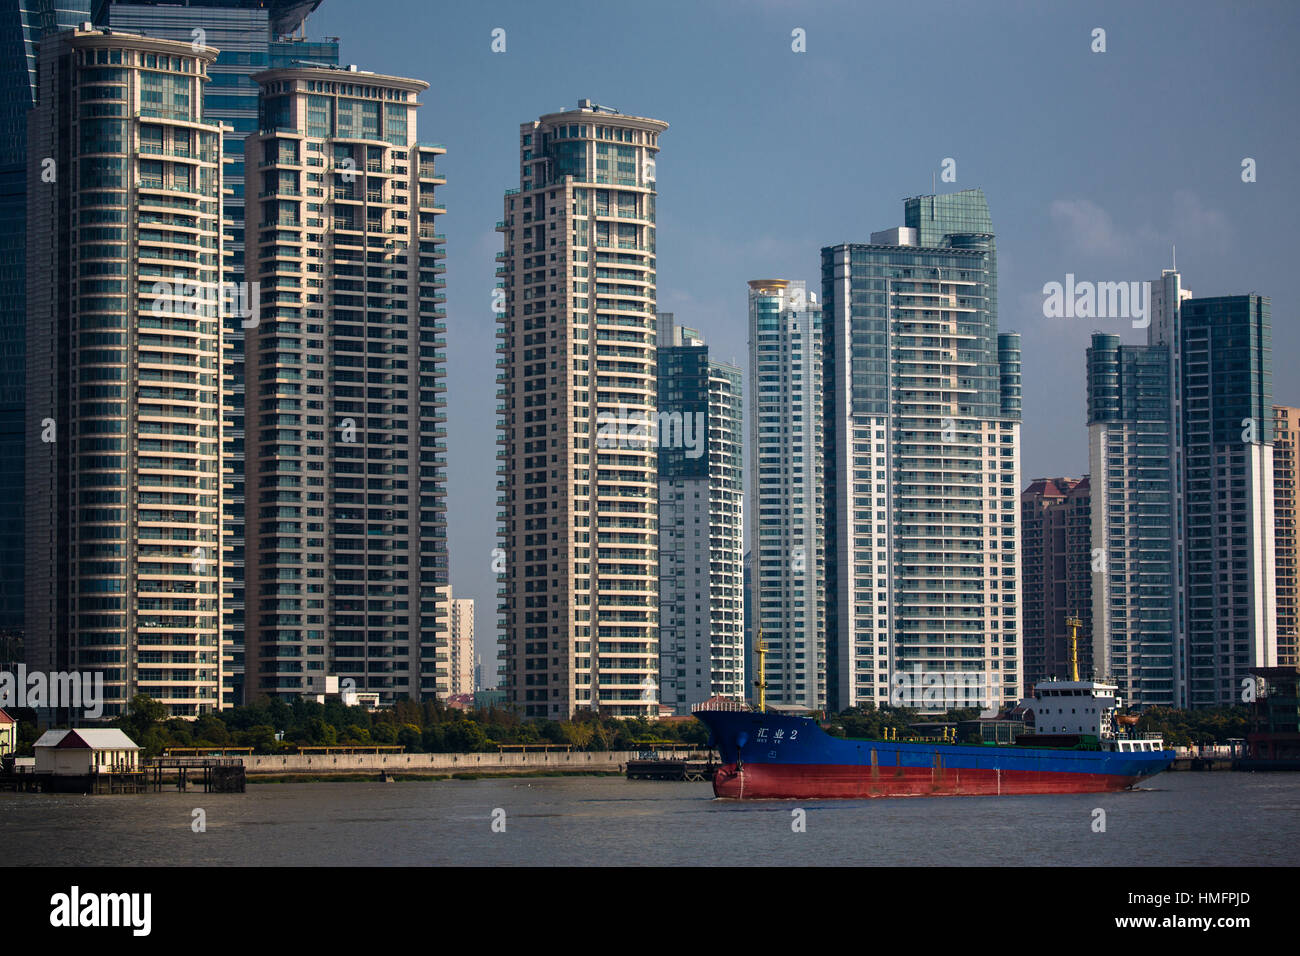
1175 253
933 189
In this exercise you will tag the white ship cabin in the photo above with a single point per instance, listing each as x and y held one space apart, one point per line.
1085 707
1075 707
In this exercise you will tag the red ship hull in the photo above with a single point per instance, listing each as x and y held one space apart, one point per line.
759 781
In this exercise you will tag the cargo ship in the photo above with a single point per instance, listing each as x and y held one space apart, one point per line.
1078 747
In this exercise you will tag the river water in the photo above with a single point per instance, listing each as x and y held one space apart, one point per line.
1179 819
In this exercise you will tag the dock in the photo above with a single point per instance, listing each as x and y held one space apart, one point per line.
212 774
1203 763
689 771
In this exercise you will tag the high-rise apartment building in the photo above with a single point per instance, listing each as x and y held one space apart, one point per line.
1286 469
922 416
1227 434
250 36
786 510
346 470
1180 437
1056 569
701 505
22 25
462 676
124 369
580 589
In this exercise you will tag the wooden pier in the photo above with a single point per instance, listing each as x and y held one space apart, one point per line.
213 774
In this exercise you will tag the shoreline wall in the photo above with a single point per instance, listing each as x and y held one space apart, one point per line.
610 761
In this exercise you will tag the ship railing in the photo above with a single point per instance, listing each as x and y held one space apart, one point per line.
732 705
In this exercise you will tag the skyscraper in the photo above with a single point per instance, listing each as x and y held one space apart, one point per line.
1130 442
124 370
786 511
701 498
922 458
1056 568
1182 430
1227 434
1286 469
251 36
22 25
463 672
580 605
346 471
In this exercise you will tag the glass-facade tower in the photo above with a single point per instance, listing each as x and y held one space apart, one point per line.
701 598
1227 438
1181 451
1131 460
22 24
922 416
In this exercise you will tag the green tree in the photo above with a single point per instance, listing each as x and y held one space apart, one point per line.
142 714
434 739
211 730
355 734
577 735
411 737
261 738
465 736
321 734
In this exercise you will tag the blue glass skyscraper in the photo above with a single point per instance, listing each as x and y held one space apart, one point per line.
1180 449
22 24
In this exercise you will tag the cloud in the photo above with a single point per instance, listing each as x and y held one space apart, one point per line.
1193 221
1088 226
1089 229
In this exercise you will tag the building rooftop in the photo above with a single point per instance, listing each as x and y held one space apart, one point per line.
87 740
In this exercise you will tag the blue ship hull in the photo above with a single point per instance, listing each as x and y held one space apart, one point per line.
774 756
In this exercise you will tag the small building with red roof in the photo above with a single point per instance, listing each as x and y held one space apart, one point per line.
8 734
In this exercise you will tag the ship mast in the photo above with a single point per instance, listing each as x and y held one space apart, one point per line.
761 683
1073 623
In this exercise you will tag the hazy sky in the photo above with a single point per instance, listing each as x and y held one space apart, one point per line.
1093 164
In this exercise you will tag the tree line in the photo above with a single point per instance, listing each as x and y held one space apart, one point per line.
271 725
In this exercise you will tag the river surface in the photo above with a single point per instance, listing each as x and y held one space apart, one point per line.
1178 819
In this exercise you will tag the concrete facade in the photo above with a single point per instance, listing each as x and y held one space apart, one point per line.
1056 560
347 569
462 646
785 513
611 761
579 613
125 370
1286 471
